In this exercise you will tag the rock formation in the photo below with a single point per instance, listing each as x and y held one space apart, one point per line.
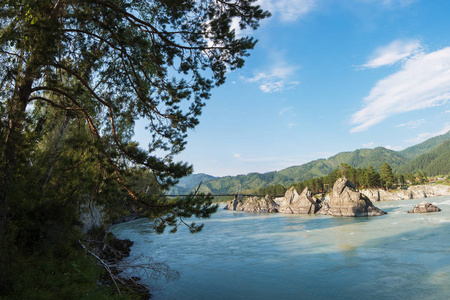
91 215
347 202
253 204
325 209
413 192
424 207
233 204
294 203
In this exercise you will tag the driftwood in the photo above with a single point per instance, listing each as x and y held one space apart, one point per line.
118 269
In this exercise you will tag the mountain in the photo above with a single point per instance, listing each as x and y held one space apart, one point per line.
321 167
188 183
424 147
435 162
360 158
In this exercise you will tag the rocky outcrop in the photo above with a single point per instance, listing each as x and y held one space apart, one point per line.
233 204
424 207
413 192
91 215
293 203
325 209
347 202
253 204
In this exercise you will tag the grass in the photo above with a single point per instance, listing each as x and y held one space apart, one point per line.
48 277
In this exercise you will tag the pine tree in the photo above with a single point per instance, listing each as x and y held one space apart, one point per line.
386 175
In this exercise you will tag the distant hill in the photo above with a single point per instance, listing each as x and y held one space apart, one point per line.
321 167
369 157
424 147
360 158
187 183
435 162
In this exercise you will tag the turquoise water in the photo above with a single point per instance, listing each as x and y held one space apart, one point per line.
241 255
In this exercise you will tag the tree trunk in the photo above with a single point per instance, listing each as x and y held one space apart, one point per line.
16 107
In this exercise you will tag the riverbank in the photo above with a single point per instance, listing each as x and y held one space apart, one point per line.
412 192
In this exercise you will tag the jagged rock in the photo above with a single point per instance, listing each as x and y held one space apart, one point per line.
278 200
233 204
253 204
294 203
424 207
347 202
325 209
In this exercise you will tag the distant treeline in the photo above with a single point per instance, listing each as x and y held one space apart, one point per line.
360 177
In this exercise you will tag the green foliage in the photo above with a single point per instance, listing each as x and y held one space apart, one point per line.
435 162
44 276
76 75
386 176
424 147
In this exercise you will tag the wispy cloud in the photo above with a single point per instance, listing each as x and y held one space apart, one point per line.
390 3
288 10
368 145
291 124
397 2
395 148
423 81
412 124
285 110
426 135
276 79
396 51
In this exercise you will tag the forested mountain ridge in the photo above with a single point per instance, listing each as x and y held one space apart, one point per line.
187 183
435 162
400 161
424 147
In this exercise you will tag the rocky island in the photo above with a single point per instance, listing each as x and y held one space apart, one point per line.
345 202
424 207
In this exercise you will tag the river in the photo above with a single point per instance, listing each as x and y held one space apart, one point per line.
242 255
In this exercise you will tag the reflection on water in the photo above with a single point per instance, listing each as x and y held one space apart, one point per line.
265 256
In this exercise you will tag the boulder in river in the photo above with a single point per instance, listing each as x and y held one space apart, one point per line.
233 204
294 203
253 204
424 207
347 202
256 204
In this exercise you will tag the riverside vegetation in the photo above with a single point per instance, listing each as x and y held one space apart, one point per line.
76 75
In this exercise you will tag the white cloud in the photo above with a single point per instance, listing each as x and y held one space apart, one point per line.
426 135
276 79
398 2
368 145
395 148
390 3
288 10
423 82
291 124
285 110
412 124
396 51
237 155
447 111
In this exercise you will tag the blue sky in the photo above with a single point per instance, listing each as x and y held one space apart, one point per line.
328 76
